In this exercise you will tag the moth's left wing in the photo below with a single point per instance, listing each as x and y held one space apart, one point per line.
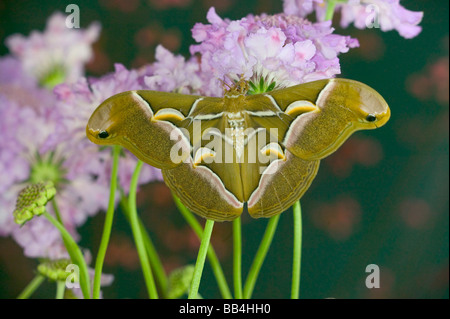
145 122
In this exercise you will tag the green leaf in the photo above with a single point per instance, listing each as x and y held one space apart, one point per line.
271 86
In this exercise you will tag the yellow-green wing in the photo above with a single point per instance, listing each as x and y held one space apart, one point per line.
175 132
146 123
326 112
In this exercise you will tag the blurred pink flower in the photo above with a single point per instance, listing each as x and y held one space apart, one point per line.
385 14
389 14
43 135
300 8
57 54
172 73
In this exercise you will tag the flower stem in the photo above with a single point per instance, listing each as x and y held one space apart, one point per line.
237 258
137 234
155 262
75 254
107 226
260 256
56 210
212 257
297 253
60 288
31 287
198 269
330 10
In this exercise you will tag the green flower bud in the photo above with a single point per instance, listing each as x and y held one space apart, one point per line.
54 269
31 201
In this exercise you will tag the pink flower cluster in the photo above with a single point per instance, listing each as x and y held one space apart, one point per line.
384 14
284 49
43 136
56 47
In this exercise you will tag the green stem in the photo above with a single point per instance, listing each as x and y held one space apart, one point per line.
75 254
212 257
137 234
330 10
155 262
60 288
107 226
198 269
297 253
56 210
31 287
237 258
260 256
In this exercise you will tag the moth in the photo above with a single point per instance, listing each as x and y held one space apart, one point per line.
219 155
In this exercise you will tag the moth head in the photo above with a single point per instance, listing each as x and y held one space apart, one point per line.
374 119
103 126
368 108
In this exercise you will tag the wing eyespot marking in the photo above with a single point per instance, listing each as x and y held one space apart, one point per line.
168 114
299 107
273 148
204 154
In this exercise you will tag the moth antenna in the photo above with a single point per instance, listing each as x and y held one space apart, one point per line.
240 87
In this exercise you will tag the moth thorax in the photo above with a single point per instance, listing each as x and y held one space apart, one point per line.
236 125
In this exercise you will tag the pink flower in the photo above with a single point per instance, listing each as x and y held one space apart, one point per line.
300 8
48 141
385 14
278 48
172 73
58 54
389 14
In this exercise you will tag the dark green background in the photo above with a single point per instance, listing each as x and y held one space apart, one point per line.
415 167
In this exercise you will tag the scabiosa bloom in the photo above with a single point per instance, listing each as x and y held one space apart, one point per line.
279 49
23 129
43 139
385 14
300 7
172 73
56 55
388 13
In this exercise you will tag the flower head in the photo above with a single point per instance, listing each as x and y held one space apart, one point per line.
43 138
281 49
54 269
388 14
56 55
172 73
32 200
384 14
300 8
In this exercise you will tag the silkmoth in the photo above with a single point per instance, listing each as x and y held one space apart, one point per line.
221 154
